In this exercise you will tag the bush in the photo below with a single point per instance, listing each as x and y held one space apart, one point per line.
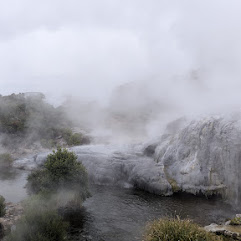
177 230
75 139
2 206
61 172
39 224
235 221
72 139
5 159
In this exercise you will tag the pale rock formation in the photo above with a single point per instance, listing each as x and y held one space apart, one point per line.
202 156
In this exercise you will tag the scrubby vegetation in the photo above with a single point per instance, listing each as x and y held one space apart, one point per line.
235 221
2 206
39 223
176 229
29 118
20 114
62 182
73 139
61 172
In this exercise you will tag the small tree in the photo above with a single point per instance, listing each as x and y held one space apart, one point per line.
60 173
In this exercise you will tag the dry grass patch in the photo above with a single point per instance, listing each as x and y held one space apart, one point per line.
175 229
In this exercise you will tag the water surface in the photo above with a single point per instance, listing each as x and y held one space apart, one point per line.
119 214
12 182
114 214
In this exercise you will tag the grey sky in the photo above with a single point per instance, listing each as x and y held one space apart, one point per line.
88 47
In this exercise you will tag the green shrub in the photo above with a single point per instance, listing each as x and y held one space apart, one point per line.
75 139
60 173
177 230
5 159
70 138
39 223
235 221
2 206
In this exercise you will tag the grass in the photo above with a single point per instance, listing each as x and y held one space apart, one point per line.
175 229
39 224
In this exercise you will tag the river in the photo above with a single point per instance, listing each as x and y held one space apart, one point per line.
121 214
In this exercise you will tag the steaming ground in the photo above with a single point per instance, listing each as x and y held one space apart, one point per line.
200 157
155 84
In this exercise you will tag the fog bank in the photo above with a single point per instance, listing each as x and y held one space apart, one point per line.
170 58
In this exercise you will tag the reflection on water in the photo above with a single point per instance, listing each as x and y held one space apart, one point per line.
121 214
12 182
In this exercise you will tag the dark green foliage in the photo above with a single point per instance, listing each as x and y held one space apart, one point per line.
177 230
13 113
61 171
72 139
39 223
2 206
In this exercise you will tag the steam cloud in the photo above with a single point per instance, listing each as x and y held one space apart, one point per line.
185 55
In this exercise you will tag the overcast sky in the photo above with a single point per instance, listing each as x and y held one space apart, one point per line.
87 47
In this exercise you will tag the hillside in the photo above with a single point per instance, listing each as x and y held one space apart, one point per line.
28 123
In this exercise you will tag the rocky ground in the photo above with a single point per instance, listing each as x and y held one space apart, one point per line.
227 230
13 213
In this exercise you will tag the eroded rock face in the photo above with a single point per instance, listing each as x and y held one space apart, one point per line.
205 157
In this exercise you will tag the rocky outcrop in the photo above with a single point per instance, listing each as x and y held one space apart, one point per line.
202 157
125 166
227 230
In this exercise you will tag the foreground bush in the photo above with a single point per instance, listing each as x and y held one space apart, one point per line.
2 206
177 230
60 173
39 223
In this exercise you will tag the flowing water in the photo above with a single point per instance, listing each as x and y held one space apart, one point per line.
114 213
